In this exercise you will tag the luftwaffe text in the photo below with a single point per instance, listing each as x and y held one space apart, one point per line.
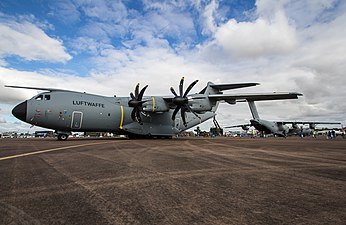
94 104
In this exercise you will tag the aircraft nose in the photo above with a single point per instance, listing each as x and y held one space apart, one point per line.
20 111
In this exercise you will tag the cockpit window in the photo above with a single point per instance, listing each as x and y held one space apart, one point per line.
47 97
39 98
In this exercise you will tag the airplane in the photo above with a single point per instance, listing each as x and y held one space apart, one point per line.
136 116
279 128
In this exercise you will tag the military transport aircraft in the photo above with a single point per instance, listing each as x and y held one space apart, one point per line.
279 128
136 116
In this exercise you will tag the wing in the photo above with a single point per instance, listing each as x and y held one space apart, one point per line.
243 125
233 98
307 122
41 89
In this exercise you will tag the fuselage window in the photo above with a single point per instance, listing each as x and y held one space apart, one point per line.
39 98
47 97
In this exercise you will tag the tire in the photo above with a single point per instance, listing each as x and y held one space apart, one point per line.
62 137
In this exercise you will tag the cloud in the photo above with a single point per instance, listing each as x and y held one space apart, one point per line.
258 38
113 11
65 11
306 13
209 17
18 78
2 120
28 41
286 52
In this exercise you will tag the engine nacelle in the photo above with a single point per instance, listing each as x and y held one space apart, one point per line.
200 105
155 104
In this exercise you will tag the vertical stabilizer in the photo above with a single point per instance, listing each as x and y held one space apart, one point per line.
253 110
209 90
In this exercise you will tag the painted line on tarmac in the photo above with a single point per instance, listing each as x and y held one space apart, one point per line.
51 150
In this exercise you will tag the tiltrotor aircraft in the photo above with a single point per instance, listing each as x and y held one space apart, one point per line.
136 116
278 128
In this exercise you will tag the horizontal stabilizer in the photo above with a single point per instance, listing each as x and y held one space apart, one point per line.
222 87
217 88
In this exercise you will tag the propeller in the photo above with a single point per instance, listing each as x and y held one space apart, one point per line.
136 102
181 101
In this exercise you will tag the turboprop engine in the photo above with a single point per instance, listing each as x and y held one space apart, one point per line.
200 105
155 104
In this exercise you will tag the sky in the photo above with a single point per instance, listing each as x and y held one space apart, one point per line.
107 47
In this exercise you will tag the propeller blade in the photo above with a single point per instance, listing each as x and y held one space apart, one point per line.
173 92
181 85
136 102
189 108
182 113
140 96
138 116
137 91
175 112
189 88
133 114
181 101
132 96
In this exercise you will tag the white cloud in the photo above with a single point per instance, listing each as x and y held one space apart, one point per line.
28 41
208 16
65 11
306 13
267 8
113 11
258 38
2 120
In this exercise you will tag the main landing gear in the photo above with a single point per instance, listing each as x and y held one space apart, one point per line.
62 136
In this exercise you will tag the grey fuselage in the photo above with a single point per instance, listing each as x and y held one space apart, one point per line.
270 127
67 111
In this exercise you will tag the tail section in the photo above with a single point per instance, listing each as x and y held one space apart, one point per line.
253 110
212 88
216 89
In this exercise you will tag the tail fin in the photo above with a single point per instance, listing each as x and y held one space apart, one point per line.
253 109
214 89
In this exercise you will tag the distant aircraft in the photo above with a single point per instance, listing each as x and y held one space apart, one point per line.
278 128
137 116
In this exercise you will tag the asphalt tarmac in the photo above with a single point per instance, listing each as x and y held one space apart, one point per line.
177 181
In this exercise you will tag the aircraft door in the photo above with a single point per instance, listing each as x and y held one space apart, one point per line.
77 118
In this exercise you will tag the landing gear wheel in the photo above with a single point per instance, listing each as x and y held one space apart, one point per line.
62 137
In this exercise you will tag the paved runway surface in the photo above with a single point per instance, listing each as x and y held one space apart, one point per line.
178 181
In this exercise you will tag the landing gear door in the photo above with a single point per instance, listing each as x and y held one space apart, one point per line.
77 118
